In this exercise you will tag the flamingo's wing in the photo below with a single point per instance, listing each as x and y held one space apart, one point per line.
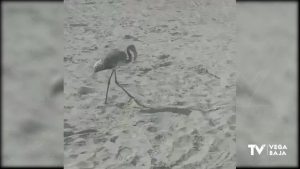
115 58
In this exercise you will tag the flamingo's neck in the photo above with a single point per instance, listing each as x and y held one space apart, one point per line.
129 55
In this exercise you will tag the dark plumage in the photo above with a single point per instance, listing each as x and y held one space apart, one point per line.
116 58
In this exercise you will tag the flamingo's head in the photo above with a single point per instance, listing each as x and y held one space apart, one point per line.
131 48
98 66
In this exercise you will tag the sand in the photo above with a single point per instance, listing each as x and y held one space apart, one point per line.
185 73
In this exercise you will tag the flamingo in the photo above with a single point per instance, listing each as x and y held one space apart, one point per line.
113 60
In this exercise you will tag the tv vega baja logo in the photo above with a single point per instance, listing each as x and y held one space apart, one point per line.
268 149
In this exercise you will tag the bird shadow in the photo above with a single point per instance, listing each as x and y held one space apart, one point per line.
152 110
183 111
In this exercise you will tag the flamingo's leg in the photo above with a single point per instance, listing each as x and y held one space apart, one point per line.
116 81
108 85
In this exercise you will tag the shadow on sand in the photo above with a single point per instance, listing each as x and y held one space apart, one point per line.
183 111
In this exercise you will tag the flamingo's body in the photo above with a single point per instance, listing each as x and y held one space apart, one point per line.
114 59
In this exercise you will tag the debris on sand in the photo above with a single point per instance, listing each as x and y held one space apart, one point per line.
84 90
131 37
164 56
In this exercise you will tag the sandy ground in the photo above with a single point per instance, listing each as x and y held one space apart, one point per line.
185 72
267 85
32 61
